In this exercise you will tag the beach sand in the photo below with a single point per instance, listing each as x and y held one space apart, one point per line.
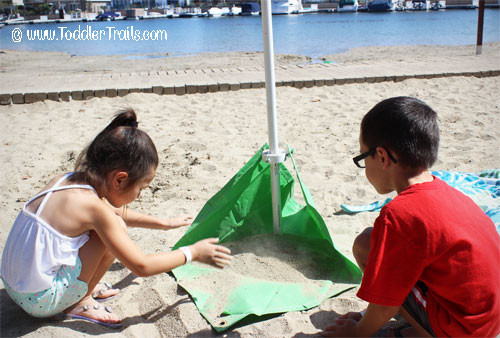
203 140
34 64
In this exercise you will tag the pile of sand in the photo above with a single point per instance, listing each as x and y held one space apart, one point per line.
269 258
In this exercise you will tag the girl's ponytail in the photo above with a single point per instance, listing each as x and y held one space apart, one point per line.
120 146
125 118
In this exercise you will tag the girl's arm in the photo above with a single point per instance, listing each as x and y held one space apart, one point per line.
136 219
139 220
116 239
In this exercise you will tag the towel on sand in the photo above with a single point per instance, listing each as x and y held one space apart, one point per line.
482 187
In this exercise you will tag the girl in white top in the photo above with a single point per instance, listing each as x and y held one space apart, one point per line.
66 238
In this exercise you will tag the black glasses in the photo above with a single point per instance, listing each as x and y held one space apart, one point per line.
370 152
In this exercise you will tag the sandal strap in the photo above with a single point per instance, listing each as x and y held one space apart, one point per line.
107 308
105 287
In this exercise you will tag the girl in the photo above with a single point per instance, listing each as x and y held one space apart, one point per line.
66 237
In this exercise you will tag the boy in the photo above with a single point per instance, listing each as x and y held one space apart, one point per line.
432 254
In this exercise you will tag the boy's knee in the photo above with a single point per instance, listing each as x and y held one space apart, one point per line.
361 247
362 241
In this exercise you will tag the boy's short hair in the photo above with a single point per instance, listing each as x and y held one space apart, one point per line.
407 126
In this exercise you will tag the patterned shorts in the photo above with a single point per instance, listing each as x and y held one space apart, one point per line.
66 290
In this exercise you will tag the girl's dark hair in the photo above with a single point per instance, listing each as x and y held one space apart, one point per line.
407 126
120 146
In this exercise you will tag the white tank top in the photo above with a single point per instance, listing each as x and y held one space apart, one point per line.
35 251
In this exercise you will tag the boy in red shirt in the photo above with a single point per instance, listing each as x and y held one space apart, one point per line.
432 254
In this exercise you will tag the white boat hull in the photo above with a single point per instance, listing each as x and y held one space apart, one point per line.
353 8
286 6
347 6
215 12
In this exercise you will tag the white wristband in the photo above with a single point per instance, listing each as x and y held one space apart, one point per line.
187 252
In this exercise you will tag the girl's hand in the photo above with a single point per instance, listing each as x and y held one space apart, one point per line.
179 221
206 251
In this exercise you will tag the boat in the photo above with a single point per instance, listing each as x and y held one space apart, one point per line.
235 11
286 6
214 12
155 15
107 16
439 5
186 15
420 5
380 5
347 6
13 19
399 5
250 8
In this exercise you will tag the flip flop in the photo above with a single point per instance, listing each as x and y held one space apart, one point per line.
96 321
105 287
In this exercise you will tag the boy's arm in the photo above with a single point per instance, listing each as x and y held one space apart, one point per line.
374 318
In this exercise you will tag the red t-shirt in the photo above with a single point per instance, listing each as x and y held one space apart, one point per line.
434 233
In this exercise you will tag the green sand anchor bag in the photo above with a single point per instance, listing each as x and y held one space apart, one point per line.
241 214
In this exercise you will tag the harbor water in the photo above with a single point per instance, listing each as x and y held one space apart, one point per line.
312 35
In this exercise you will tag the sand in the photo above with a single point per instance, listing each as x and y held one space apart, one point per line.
34 64
40 63
203 140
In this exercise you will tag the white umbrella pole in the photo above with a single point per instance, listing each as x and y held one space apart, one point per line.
274 156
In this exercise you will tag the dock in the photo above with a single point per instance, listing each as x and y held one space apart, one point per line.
15 89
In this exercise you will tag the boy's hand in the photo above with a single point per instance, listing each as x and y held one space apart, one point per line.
179 221
343 327
206 251
350 315
352 324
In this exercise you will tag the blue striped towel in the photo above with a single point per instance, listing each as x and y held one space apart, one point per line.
482 187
